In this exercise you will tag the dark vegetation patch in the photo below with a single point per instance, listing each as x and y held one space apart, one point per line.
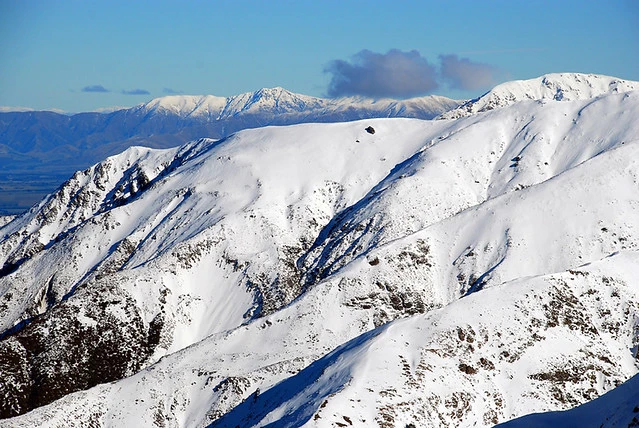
564 308
389 302
458 405
571 373
415 255
465 368
94 337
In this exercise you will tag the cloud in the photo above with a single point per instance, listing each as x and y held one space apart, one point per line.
94 88
395 74
398 74
170 91
462 73
136 92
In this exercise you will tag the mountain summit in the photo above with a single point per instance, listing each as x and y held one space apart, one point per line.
556 87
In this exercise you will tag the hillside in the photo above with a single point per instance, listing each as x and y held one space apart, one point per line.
460 272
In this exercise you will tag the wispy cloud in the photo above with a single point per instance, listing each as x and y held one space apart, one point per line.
464 74
136 92
394 74
95 88
170 91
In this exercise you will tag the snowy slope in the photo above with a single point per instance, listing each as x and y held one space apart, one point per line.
537 343
213 273
555 87
617 408
186 242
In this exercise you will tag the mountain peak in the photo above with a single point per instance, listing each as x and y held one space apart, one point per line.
279 98
553 87
566 86
277 90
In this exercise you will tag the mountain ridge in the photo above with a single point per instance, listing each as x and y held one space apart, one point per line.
281 101
549 87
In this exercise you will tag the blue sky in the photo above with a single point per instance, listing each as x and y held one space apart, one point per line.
85 55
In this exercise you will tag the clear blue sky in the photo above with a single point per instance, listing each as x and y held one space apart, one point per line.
61 54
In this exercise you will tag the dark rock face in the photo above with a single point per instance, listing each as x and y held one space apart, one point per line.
94 337
370 130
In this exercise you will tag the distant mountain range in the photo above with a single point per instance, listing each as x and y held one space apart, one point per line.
40 149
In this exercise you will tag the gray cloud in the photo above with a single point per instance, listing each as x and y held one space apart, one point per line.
170 91
136 92
461 73
395 74
94 88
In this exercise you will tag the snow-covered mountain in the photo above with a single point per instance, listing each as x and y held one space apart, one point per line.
556 87
278 101
39 150
389 272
